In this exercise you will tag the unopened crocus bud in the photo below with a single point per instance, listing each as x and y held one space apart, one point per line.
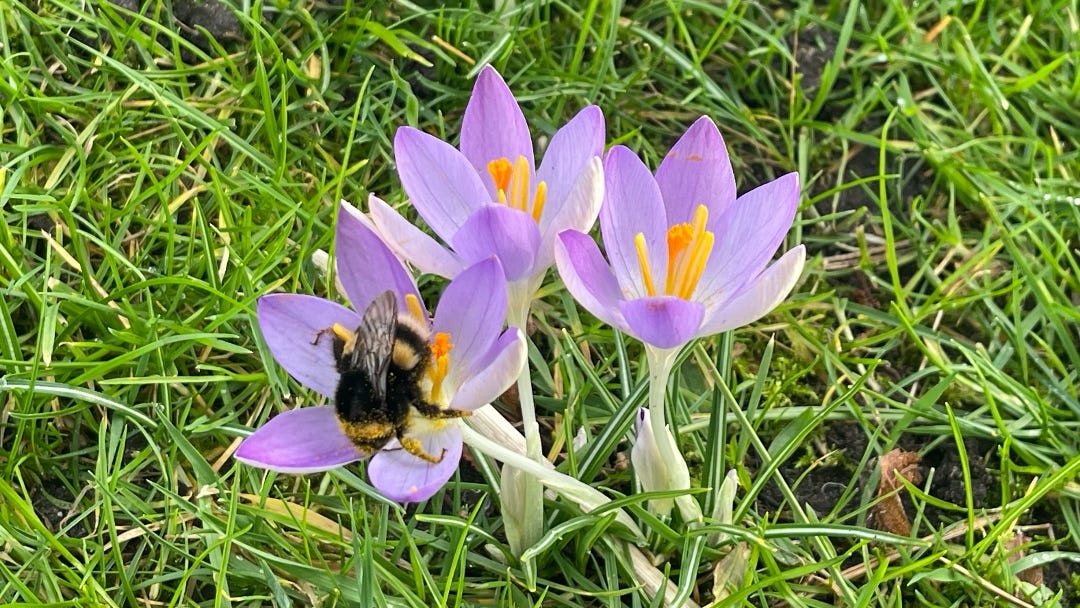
522 531
725 505
659 466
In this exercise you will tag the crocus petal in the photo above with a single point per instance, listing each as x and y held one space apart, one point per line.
764 294
588 277
441 182
663 321
748 235
494 127
507 234
579 211
366 266
471 310
411 243
696 171
293 326
632 205
501 368
301 441
403 477
571 149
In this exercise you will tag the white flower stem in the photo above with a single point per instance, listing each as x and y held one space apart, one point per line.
529 501
660 362
480 439
518 316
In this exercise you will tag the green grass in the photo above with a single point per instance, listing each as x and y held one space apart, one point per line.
152 190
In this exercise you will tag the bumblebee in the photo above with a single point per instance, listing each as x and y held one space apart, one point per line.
383 364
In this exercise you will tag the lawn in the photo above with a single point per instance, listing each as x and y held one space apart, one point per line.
901 430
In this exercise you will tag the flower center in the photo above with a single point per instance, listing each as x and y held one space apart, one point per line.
689 246
512 183
440 363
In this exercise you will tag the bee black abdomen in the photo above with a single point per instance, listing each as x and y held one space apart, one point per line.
368 425
354 396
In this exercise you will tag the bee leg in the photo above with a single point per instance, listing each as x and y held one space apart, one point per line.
413 446
319 334
429 410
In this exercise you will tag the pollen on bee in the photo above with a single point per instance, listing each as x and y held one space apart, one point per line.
367 432
420 423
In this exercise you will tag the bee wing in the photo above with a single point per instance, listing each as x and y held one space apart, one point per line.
375 341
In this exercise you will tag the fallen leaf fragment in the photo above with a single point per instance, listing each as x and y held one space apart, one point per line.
888 514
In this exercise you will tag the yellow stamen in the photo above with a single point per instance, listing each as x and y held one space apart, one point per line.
440 364
699 256
413 304
692 264
346 335
689 247
539 201
519 187
643 261
512 185
343 332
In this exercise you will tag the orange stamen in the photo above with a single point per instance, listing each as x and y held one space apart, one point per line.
440 364
689 247
501 170
679 238
512 184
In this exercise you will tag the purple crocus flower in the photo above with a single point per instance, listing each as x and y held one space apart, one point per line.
488 199
473 362
687 258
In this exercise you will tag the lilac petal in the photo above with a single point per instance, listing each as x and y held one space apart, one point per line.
410 243
301 441
748 235
570 150
472 310
696 171
507 234
494 375
663 321
582 205
402 477
764 294
588 277
632 204
366 266
443 186
494 127
293 326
